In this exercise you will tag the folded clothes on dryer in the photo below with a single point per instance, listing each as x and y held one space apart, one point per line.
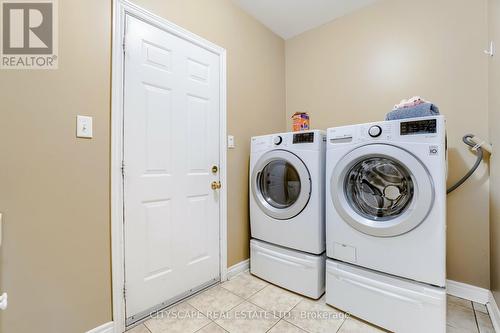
405 103
425 109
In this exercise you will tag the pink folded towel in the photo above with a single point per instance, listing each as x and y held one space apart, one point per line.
408 103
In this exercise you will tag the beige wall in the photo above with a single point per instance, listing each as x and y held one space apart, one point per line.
54 188
494 122
356 68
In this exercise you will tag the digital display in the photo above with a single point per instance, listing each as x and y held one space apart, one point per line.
428 126
303 137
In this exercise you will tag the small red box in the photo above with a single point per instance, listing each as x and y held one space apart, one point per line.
300 121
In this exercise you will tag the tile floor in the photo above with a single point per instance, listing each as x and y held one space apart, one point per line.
250 305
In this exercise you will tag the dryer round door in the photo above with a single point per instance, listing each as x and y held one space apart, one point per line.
382 190
281 184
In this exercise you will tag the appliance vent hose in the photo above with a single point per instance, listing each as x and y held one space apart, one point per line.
467 139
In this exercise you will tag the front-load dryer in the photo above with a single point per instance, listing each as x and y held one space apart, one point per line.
386 222
287 215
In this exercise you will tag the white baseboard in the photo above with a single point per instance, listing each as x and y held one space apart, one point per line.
105 328
467 291
238 268
494 312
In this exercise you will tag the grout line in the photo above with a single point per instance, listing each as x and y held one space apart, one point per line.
279 319
475 317
297 326
292 310
209 323
276 323
221 327
143 324
246 298
342 324
243 298
237 305
255 293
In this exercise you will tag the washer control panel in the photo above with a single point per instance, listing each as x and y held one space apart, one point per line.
414 130
425 126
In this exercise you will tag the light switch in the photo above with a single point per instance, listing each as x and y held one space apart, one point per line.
230 142
83 127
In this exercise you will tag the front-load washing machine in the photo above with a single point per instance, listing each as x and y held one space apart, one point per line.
386 223
287 217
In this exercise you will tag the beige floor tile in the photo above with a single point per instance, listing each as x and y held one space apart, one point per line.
214 301
285 327
484 323
315 316
480 307
182 318
246 318
245 285
139 329
353 325
460 317
452 300
212 328
275 299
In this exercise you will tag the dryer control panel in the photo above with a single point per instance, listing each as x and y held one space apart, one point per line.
307 140
303 137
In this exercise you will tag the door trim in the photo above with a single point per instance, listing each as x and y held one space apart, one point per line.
122 8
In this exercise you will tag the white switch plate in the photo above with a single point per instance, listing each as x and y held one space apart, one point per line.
83 127
230 142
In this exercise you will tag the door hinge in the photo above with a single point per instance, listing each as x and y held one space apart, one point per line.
123 44
123 168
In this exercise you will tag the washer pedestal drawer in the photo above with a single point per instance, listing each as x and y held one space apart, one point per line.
396 304
297 271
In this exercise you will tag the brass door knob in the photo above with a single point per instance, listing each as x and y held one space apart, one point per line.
216 185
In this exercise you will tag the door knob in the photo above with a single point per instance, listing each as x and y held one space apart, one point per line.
216 185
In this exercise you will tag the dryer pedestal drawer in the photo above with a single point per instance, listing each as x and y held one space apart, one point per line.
297 271
393 303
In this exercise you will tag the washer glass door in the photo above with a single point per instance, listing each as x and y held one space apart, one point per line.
379 188
382 190
281 184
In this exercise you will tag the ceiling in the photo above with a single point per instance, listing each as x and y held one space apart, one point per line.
288 18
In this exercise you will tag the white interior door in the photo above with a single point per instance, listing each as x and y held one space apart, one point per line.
171 143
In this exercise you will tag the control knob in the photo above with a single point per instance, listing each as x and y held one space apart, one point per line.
375 131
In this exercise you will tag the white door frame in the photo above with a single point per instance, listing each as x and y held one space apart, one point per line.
122 8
